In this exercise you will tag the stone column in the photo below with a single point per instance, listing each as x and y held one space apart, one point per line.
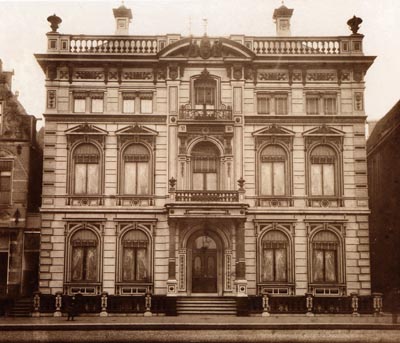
240 282
172 282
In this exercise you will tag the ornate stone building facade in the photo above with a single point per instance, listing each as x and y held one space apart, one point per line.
224 166
20 185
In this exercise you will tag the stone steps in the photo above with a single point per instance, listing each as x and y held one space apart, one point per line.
206 305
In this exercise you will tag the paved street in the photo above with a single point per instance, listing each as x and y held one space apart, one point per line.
293 329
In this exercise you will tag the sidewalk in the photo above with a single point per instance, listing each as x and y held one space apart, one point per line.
293 329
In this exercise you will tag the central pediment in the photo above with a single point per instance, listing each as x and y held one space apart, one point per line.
205 48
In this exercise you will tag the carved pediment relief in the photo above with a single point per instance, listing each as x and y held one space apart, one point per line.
86 129
136 133
274 134
324 134
6 154
86 132
205 48
323 130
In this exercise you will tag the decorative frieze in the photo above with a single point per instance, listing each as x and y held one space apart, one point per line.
89 75
272 76
321 76
137 75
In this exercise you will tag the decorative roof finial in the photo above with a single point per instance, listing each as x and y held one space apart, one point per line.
354 24
54 22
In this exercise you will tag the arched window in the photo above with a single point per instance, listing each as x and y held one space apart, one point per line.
325 254
323 171
84 256
205 161
135 257
273 171
136 159
205 92
86 159
274 257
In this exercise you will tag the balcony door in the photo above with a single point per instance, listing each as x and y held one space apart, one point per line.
205 161
204 265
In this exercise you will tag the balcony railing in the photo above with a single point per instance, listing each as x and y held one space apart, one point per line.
212 196
151 45
186 112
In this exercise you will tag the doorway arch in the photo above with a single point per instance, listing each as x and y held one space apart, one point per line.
208 262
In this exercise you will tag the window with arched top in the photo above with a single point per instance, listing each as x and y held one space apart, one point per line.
135 257
84 256
323 173
86 161
136 170
273 173
205 166
325 257
274 257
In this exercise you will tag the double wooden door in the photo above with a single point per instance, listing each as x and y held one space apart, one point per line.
204 271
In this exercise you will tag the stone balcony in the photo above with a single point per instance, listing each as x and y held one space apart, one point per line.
187 112
152 45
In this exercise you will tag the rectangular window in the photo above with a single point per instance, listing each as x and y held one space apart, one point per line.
281 104
263 104
97 103
312 105
134 265
86 178
128 103
322 179
273 178
330 105
136 178
324 263
5 182
146 103
274 262
80 105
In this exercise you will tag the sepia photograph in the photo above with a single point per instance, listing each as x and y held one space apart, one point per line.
200 171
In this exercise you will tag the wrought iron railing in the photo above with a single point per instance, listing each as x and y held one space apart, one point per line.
186 112
213 196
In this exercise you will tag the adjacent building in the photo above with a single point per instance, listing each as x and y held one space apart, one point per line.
20 188
205 166
384 190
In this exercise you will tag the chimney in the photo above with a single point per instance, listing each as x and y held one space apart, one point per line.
123 17
282 17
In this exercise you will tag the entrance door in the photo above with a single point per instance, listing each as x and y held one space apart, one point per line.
204 266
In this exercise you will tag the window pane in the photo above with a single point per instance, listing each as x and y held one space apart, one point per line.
130 178
143 178
279 178
77 264
91 264
97 105
267 273
79 105
330 266
312 105
266 178
5 181
80 178
128 106
263 105
198 181
141 264
280 265
211 181
93 179
281 105
318 265
330 105
146 105
329 179
316 179
128 265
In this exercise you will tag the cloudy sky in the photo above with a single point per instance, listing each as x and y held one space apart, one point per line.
23 27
